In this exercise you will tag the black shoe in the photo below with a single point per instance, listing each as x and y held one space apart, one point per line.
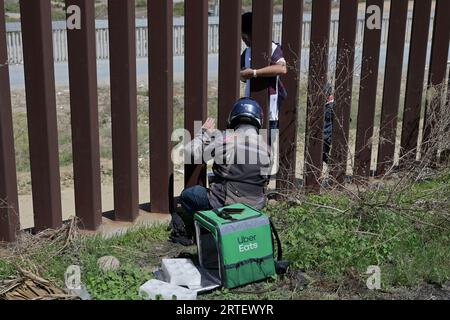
185 241
179 233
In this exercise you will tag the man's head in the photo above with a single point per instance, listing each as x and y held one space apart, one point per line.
247 28
246 111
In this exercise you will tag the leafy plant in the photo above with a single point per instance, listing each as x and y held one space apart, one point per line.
116 285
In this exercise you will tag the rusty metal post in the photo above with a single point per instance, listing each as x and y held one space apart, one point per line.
392 84
348 15
84 116
122 42
288 117
438 68
9 204
261 51
445 153
229 62
41 112
368 94
415 80
196 78
160 15
318 78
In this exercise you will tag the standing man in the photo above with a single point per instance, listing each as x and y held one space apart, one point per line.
276 68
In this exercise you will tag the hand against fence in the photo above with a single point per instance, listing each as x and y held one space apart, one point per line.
210 124
246 74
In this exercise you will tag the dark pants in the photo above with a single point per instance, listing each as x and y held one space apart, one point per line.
326 149
195 199
192 200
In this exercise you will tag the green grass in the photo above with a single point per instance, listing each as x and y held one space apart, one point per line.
408 250
141 3
178 9
135 250
58 12
326 244
58 15
11 6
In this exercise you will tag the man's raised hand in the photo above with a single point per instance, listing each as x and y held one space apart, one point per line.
210 124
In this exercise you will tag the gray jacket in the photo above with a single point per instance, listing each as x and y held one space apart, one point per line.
241 165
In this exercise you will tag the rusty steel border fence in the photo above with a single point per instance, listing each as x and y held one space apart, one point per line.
38 58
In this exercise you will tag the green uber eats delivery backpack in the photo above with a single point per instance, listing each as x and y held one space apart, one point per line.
235 245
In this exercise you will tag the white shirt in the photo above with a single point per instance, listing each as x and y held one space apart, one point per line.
273 98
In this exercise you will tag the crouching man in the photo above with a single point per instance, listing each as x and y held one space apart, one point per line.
240 170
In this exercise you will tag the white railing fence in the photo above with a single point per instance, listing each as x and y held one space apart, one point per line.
14 37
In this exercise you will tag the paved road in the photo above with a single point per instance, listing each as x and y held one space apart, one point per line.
62 72
62 78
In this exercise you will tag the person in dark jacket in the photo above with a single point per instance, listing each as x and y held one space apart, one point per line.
240 170
328 123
